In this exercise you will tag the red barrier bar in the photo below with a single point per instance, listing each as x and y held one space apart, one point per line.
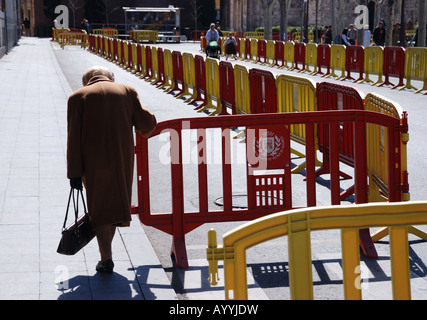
354 62
263 91
178 74
268 140
299 56
262 51
323 59
226 83
394 66
115 50
122 55
279 54
200 76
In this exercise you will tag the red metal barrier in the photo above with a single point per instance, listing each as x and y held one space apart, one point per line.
354 62
268 139
394 65
200 76
178 74
263 91
248 55
115 50
148 63
161 78
299 56
262 51
226 83
139 64
129 65
279 54
323 59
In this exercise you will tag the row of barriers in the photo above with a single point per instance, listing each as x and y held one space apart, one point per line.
222 86
297 225
340 61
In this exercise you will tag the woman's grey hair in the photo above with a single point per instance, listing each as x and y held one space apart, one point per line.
96 71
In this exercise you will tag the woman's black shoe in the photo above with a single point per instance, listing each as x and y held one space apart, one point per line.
105 267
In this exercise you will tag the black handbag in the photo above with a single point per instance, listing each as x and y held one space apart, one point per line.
80 233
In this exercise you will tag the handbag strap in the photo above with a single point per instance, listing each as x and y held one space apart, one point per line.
75 205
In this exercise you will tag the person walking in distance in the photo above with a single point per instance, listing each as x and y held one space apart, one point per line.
100 152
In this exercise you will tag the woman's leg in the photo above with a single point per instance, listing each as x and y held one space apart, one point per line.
105 235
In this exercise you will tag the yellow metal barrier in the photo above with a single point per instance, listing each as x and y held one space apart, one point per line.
289 54
310 57
415 68
125 55
189 73
270 52
108 32
298 224
241 44
242 89
337 61
254 35
373 64
56 32
151 36
167 57
254 49
72 39
212 87
297 94
297 36
154 66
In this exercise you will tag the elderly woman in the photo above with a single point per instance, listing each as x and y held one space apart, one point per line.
100 151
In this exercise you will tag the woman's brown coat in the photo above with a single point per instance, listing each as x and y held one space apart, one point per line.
101 117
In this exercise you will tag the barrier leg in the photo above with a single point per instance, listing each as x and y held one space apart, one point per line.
179 252
384 232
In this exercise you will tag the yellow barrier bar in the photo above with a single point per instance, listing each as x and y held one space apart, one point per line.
337 61
415 68
242 89
297 94
351 264
310 57
289 54
373 64
119 52
297 224
189 73
400 272
212 87
125 55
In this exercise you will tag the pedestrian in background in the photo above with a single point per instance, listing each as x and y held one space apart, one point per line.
352 35
230 46
379 34
367 36
100 152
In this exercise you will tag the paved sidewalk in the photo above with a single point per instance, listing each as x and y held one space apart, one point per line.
34 191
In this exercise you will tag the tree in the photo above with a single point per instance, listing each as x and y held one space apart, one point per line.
422 23
195 13
268 24
284 9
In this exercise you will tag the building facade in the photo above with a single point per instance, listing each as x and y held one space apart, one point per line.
10 25
247 15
